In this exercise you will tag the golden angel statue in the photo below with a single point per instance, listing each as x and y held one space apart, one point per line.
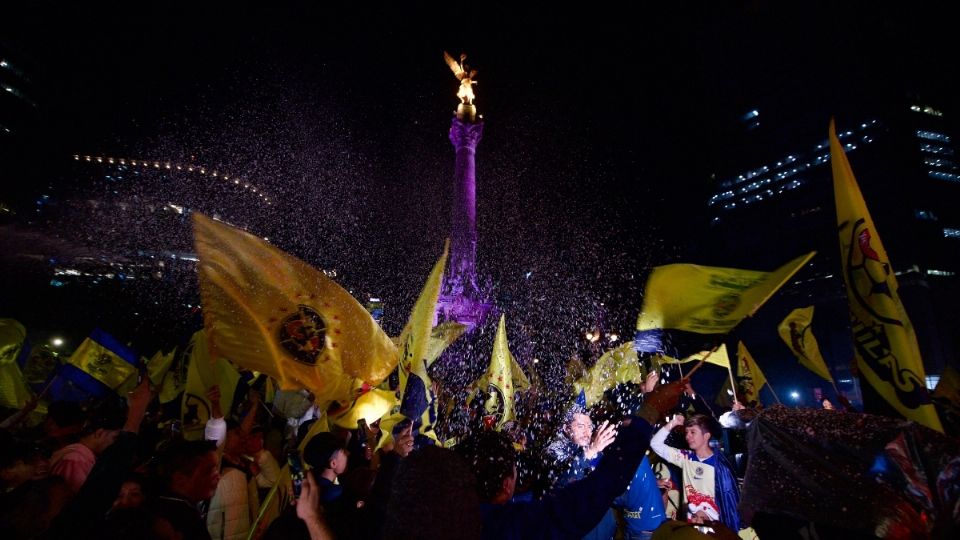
464 74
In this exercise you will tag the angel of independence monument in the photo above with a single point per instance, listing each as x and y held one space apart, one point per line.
460 298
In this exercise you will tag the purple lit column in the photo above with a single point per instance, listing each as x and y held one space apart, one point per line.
465 136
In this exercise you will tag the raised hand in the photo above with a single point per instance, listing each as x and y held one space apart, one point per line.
404 442
650 382
605 434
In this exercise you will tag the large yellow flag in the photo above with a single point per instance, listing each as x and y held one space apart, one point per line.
617 366
14 392
751 378
202 373
719 357
417 402
797 333
502 379
270 312
884 343
708 299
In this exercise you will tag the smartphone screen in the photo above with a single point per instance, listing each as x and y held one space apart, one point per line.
296 472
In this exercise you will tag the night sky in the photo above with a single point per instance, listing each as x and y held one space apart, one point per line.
603 126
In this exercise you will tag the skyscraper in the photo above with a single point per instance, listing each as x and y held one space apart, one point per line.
763 211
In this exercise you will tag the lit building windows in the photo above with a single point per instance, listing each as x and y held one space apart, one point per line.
770 180
933 136
936 149
940 273
940 175
925 109
940 162
951 233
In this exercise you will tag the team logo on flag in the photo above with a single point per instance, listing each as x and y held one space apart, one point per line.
498 408
863 260
726 305
196 411
303 335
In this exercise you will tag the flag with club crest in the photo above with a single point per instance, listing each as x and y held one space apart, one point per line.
751 378
270 312
417 401
202 373
682 302
502 379
884 342
796 330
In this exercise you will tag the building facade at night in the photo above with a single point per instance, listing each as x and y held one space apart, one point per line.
764 211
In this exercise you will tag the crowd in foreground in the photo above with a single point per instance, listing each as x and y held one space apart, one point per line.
636 468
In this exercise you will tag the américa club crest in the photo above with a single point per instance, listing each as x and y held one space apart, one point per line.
303 334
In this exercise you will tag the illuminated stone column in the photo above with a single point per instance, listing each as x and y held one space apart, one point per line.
465 137
460 299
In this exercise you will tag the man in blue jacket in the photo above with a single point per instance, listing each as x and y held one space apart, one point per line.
569 512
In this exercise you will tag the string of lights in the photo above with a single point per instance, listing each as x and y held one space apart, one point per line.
166 165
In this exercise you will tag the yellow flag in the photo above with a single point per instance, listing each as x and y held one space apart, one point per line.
417 401
14 392
797 332
719 357
174 380
202 373
498 382
371 406
159 365
270 312
707 299
105 359
725 397
884 343
520 380
616 366
751 378
576 370
441 337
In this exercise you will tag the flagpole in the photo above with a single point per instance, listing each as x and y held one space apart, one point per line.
774 392
700 363
49 384
733 384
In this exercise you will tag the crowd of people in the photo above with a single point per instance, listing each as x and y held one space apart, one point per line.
645 463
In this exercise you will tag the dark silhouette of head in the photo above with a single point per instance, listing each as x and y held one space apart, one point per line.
434 497
493 459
